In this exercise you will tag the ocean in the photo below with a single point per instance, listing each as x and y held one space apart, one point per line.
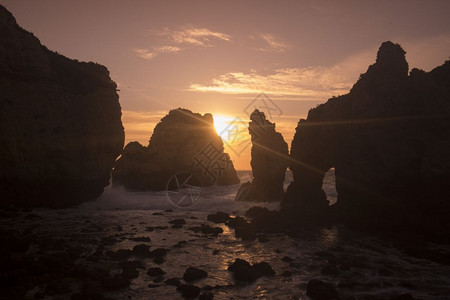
358 265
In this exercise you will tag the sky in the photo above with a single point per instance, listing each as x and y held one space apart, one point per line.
229 57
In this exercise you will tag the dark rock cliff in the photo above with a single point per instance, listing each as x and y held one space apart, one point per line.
182 141
60 123
269 162
389 142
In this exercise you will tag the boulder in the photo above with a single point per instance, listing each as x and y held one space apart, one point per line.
60 123
173 281
155 271
219 217
193 273
243 271
237 221
388 140
321 290
269 162
263 269
159 252
238 264
142 250
182 142
189 291
214 231
112 283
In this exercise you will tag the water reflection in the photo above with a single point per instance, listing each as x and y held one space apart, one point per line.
261 292
329 237
329 186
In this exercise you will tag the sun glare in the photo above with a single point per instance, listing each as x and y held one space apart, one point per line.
222 123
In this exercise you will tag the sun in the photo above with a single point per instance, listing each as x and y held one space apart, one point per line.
222 123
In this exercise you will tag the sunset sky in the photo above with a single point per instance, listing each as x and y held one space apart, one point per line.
218 56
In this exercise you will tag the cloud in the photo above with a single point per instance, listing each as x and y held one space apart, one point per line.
189 36
194 36
273 44
145 53
153 52
306 83
316 83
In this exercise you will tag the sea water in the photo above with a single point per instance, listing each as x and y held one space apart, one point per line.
309 251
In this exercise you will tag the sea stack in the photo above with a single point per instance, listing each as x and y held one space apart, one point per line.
182 142
269 162
388 140
60 123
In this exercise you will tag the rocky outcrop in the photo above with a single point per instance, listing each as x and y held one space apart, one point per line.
269 162
60 123
182 142
388 140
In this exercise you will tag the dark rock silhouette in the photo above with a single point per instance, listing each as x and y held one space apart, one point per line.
189 291
388 140
243 271
320 290
173 281
242 228
182 142
193 273
155 271
112 283
142 250
219 217
60 123
206 296
269 163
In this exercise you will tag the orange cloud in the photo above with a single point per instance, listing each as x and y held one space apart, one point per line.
317 83
153 52
308 83
273 44
194 36
188 36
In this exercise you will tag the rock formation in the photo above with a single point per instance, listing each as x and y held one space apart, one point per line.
182 141
269 162
389 142
60 123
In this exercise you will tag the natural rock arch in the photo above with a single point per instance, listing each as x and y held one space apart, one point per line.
329 186
388 139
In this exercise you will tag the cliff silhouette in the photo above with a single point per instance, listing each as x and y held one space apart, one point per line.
182 142
60 123
389 142
269 162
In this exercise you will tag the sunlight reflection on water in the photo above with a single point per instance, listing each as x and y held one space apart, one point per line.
261 291
87 225
329 237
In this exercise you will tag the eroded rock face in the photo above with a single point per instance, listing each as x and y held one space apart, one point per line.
183 142
269 162
388 139
60 123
